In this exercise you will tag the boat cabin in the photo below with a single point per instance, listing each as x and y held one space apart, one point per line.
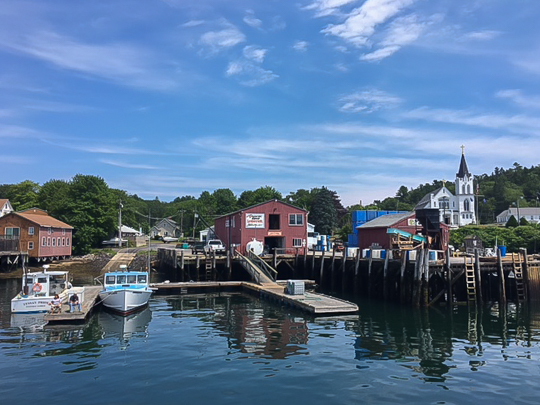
45 283
125 279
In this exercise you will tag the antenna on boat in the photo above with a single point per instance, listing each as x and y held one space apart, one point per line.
45 268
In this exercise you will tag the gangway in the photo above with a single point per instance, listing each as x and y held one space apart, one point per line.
258 272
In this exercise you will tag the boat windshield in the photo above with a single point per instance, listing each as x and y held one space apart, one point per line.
142 279
121 279
131 279
110 280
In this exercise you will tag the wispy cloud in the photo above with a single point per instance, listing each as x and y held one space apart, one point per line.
126 165
300 46
193 23
485 35
121 63
248 70
217 41
367 101
251 20
254 53
517 97
360 23
84 146
325 8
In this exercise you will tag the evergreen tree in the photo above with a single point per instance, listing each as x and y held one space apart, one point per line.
323 214
512 222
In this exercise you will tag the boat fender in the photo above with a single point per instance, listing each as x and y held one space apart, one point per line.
37 287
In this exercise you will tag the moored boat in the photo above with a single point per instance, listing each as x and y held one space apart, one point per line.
39 289
125 291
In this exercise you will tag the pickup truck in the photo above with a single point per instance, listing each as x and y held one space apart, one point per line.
214 245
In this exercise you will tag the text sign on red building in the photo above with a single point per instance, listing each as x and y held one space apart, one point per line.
255 221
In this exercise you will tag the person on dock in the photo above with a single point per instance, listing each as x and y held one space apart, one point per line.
56 304
74 300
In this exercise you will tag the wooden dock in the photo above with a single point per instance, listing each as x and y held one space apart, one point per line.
121 258
314 303
89 302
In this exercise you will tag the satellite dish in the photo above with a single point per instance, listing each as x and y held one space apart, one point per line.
255 246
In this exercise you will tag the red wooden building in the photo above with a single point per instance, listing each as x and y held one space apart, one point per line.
41 235
274 223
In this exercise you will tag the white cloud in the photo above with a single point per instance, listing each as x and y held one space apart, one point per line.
380 54
122 63
485 35
255 54
367 101
517 97
360 24
300 46
226 38
325 8
193 23
251 20
250 74
125 165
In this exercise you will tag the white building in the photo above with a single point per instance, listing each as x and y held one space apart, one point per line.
454 210
531 214
5 207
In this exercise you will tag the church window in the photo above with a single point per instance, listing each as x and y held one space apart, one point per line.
463 189
469 189
466 205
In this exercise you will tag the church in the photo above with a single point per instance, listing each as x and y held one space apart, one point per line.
454 210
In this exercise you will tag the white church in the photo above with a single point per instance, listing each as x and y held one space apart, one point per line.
454 210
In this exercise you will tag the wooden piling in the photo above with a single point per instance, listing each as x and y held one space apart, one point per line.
321 273
502 288
356 269
197 266
385 274
525 271
425 279
402 289
479 298
332 269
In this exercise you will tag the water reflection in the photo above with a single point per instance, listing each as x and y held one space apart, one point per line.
250 326
124 328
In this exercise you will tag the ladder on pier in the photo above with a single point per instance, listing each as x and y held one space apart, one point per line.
521 294
208 266
470 280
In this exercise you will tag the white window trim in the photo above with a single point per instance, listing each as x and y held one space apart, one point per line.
30 245
44 241
297 240
296 216
30 230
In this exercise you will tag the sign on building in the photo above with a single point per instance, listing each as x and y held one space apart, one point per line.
255 221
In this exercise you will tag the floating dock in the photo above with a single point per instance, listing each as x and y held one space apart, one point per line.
90 299
314 303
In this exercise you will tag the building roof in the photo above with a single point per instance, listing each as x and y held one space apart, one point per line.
386 221
256 205
463 169
169 220
42 220
3 201
127 229
522 211
423 203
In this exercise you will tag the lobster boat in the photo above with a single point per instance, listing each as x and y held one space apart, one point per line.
39 289
125 291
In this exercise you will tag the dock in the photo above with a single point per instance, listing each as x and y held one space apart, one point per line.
311 302
90 299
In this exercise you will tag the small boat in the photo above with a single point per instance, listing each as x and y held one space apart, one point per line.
39 289
125 291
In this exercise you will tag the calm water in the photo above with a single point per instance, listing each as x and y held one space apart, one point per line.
235 349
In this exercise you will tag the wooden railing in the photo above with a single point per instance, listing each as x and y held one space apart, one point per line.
9 243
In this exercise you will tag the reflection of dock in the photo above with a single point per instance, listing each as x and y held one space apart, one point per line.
314 303
89 301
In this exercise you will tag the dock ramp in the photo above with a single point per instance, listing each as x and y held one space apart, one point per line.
119 259
260 271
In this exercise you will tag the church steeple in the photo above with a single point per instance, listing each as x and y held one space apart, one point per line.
463 169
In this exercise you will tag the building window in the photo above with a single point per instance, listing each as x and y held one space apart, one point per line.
67 241
30 245
48 241
63 241
12 233
49 231
58 241
273 221
54 242
466 205
296 219
297 242
44 241
63 231
31 230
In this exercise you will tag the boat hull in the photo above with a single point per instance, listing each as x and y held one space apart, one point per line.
125 301
32 305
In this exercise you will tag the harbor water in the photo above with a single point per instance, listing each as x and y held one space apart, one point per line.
237 349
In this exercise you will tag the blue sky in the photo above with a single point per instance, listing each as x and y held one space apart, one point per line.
174 97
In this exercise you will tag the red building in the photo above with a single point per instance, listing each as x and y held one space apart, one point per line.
374 231
41 235
274 223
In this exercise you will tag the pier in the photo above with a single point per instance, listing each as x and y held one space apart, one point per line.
89 301
417 280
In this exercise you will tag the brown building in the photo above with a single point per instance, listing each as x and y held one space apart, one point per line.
374 232
39 234
274 223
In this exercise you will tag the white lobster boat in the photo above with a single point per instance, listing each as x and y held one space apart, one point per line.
39 289
125 291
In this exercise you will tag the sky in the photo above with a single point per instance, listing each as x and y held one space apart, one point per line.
166 98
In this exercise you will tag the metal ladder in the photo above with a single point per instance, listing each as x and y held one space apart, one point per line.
470 280
518 273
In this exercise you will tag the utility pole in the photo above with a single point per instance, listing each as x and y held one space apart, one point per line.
182 223
120 224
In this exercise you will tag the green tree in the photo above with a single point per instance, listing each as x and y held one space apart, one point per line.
225 201
323 214
512 222
53 196
23 195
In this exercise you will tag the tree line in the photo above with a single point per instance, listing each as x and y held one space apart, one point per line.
88 204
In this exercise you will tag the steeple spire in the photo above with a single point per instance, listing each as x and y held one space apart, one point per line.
463 169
